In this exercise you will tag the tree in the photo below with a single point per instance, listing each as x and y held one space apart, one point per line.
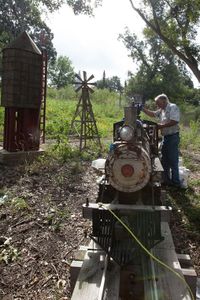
27 15
61 72
175 22
113 83
18 16
158 71
83 6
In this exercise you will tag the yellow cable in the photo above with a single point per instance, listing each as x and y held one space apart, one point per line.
147 251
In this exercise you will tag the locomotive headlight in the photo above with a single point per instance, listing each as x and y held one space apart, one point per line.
126 133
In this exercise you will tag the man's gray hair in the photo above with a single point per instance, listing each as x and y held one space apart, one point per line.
162 97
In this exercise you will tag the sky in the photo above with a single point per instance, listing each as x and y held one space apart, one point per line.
91 42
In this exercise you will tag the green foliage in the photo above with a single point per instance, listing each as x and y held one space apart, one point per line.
188 113
105 105
18 16
158 70
61 72
76 167
187 203
55 218
66 93
190 138
175 23
8 253
19 204
83 6
104 96
113 84
59 116
63 151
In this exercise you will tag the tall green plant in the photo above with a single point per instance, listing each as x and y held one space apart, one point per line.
190 137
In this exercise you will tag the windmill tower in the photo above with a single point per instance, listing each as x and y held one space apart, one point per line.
83 122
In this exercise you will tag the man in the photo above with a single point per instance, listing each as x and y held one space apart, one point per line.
169 116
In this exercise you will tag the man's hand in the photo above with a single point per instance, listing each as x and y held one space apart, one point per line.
168 124
148 112
160 126
140 108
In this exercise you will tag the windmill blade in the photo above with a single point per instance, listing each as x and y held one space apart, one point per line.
77 76
91 90
77 82
91 77
78 88
84 76
92 83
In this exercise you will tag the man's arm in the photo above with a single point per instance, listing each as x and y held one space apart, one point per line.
167 124
148 112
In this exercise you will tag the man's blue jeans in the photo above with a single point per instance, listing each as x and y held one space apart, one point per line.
170 158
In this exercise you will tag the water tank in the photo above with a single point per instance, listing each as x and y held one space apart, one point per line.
21 74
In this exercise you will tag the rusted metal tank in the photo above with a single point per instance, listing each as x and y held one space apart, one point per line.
22 92
21 74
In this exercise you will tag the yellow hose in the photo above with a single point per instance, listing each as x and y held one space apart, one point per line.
147 251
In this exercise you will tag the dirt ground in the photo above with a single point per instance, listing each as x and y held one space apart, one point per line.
41 226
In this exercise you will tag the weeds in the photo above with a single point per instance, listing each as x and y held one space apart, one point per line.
55 218
8 253
63 151
19 204
190 137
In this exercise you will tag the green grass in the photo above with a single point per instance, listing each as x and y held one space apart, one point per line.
187 202
60 114
190 136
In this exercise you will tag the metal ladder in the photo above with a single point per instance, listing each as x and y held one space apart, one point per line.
43 97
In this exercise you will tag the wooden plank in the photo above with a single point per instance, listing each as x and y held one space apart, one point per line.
185 260
90 276
170 286
112 283
89 279
167 243
190 276
94 278
103 279
74 271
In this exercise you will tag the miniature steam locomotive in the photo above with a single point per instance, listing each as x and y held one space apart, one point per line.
130 222
132 169
131 187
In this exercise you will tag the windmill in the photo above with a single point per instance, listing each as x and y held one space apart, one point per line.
83 122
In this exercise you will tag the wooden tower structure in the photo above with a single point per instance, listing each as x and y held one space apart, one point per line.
23 94
83 122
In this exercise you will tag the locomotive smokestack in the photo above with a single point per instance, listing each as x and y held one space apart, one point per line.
130 115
